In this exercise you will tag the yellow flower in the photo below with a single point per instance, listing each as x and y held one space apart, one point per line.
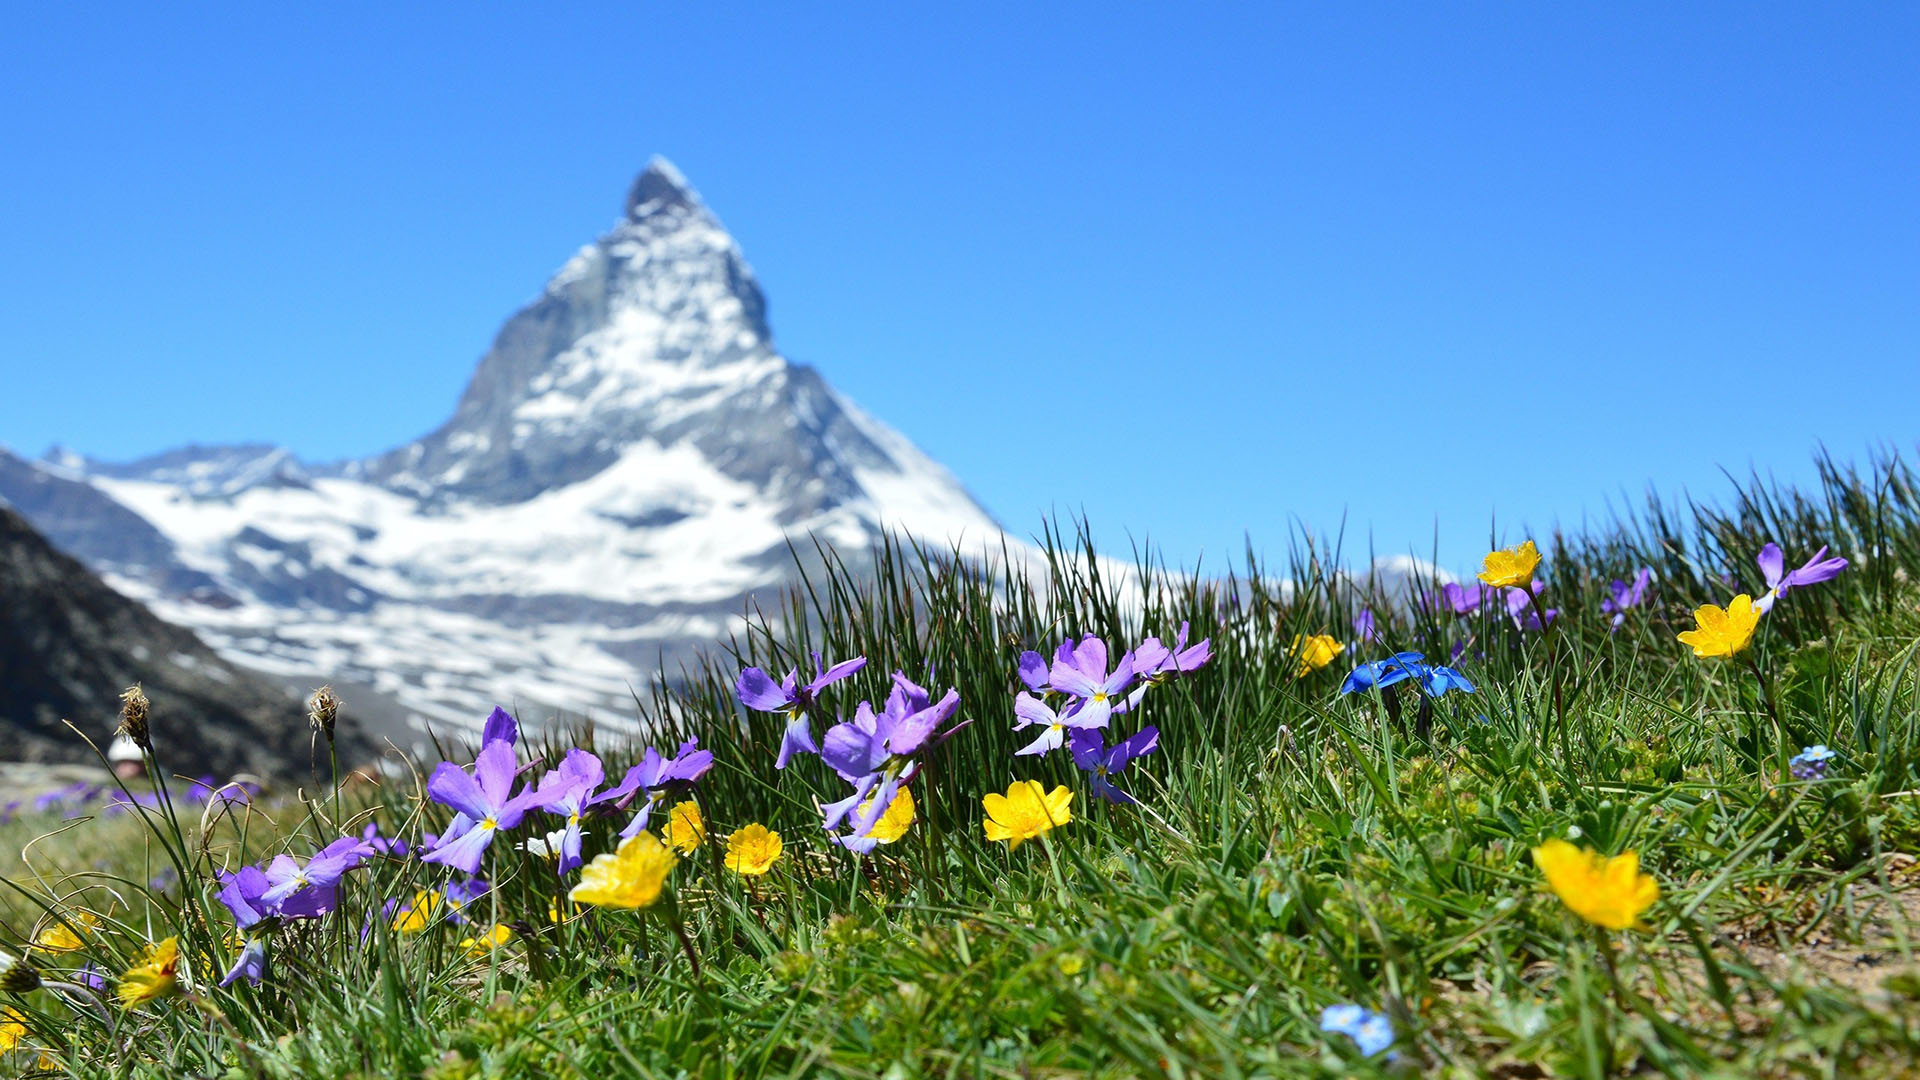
420 914
1723 632
1512 567
63 935
753 850
686 829
1314 652
1609 892
493 939
13 1028
630 877
892 824
1026 811
155 977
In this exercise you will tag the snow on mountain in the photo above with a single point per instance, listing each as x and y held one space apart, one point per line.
626 466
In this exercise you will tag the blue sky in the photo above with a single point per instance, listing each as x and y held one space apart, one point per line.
1199 275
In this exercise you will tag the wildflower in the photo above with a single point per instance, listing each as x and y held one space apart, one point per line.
1464 599
1773 564
13 1028
1608 892
1030 710
483 799
1364 626
17 974
630 877
500 727
1810 763
133 717
1085 676
1026 811
250 964
686 829
380 845
656 777
1102 762
63 934
1523 606
1372 1032
752 850
483 944
567 790
875 751
1722 631
242 893
1511 568
1626 597
308 890
1435 679
757 690
891 825
546 847
417 915
156 976
1314 653
1155 662
323 709
1033 667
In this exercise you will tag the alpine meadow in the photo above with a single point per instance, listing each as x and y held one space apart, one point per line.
1640 800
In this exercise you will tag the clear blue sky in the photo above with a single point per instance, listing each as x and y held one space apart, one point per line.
1197 274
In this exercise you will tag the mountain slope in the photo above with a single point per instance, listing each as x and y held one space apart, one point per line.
627 465
69 645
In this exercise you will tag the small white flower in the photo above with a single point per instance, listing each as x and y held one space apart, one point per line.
1574 833
547 847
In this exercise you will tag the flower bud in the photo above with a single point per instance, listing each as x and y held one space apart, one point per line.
133 717
17 975
323 709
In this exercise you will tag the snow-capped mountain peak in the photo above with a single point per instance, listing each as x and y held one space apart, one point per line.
627 464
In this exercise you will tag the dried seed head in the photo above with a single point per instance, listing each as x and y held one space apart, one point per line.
133 717
17 975
323 709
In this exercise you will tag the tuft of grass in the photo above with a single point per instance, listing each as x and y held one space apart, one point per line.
1295 848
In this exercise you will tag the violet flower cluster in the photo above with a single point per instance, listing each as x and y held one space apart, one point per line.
1090 694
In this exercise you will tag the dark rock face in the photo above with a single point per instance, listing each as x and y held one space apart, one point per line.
69 645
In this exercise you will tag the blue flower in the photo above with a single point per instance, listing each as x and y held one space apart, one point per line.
1811 763
1372 1032
1436 680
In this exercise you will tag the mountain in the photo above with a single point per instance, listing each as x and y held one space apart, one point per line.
69 644
626 467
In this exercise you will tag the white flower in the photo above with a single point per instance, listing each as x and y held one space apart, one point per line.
547 847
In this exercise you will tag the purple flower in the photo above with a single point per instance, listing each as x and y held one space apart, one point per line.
1085 676
1773 564
296 890
500 727
1102 762
1033 667
1465 599
484 798
242 892
1364 627
567 791
757 690
1524 606
1626 597
875 750
1028 709
1153 661
91 976
250 965
380 845
656 776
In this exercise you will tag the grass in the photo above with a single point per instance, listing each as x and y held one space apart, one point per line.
1301 850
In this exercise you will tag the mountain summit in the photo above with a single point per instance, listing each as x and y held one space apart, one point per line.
626 466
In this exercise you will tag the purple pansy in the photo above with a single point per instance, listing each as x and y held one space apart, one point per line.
757 690
655 777
500 727
1085 676
1773 564
567 791
250 965
874 751
1028 709
1102 762
1465 599
1364 626
1154 661
484 797
1525 606
1625 597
